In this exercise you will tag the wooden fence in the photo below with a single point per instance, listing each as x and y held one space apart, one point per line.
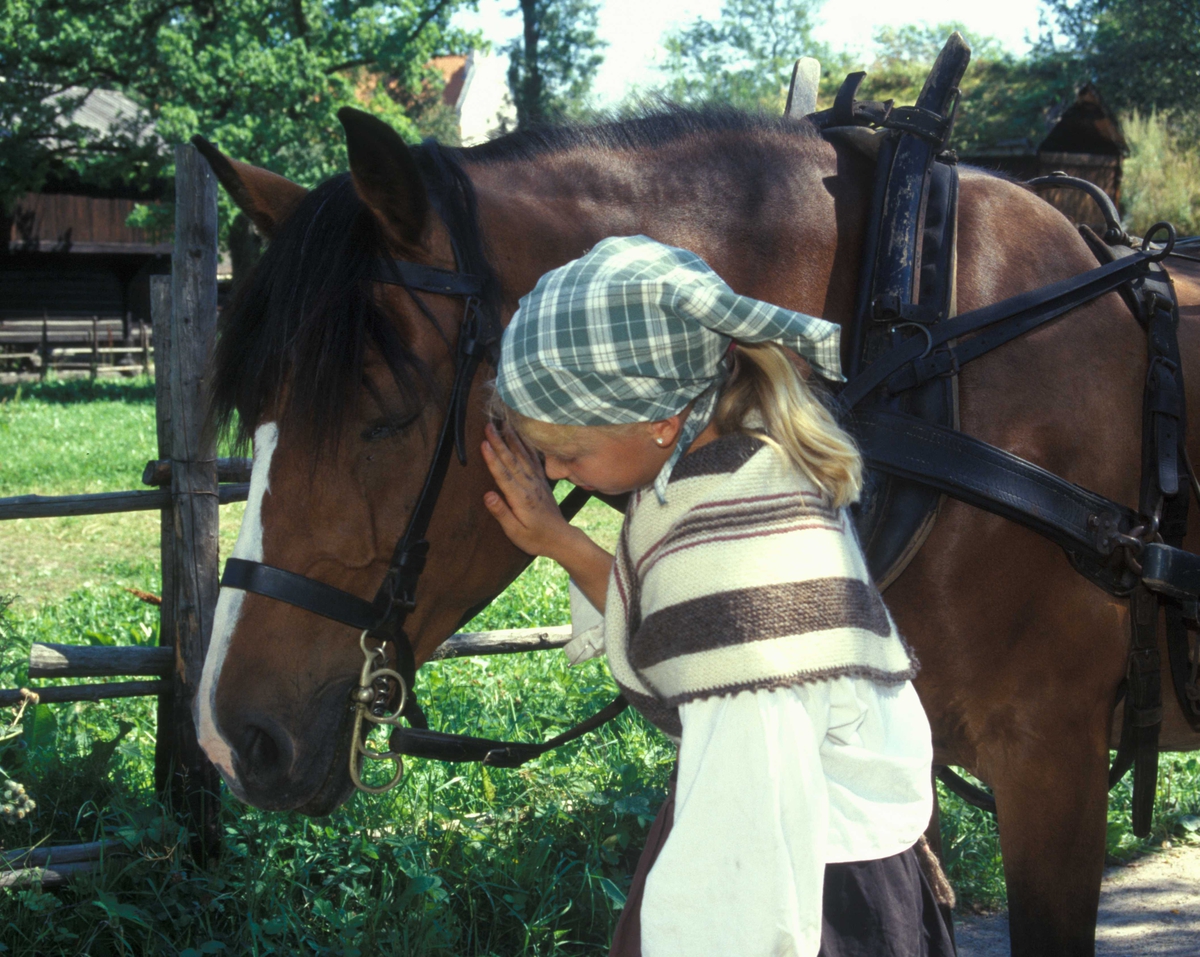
190 483
99 345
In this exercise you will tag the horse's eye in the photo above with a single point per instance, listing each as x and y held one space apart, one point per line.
386 429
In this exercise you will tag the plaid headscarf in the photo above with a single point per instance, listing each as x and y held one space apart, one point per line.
635 330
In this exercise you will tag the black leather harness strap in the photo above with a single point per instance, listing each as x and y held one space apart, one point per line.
419 743
443 282
905 285
1112 545
918 359
1085 524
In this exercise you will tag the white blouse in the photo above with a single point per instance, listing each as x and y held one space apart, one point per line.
772 786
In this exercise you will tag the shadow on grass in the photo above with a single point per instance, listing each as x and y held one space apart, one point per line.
74 391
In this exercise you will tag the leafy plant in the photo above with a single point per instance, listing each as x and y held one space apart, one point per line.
744 58
1141 54
262 79
1161 175
553 62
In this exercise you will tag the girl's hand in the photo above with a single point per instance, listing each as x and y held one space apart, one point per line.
525 509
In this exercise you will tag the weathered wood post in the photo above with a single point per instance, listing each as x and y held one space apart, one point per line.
45 344
160 317
193 457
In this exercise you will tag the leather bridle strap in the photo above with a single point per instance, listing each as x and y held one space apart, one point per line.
306 593
328 601
384 617
442 282
438 746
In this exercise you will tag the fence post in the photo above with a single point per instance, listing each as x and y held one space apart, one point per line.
160 315
193 477
95 344
45 345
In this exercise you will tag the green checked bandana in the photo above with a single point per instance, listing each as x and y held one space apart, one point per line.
632 332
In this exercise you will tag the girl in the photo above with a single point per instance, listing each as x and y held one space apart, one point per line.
739 616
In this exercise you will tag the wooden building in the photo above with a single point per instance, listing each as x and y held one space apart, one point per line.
69 256
1085 141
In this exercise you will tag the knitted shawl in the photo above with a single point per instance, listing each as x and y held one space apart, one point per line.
745 579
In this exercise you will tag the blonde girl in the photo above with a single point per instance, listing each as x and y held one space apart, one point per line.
738 614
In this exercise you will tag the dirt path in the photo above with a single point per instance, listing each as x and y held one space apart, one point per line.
1149 908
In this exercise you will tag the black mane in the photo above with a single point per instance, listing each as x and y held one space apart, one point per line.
307 313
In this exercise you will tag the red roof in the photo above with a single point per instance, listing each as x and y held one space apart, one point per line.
454 73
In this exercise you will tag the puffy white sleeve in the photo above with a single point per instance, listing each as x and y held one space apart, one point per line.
587 627
742 870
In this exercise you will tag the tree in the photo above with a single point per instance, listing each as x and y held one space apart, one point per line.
1005 98
745 59
263 78
1141 54
554 61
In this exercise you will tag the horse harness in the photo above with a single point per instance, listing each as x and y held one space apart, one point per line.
906 349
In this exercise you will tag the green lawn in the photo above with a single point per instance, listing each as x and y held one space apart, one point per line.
459 860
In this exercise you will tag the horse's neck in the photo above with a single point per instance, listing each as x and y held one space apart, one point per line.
773 227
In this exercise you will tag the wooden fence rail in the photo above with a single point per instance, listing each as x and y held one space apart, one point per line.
103 503
158 471
184 314
91 661
51 866
61 694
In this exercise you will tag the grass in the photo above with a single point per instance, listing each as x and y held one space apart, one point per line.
1161 175
76 436
460 860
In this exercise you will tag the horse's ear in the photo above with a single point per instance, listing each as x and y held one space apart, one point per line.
267 198
385 176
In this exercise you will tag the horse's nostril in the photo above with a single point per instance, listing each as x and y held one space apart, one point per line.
266 751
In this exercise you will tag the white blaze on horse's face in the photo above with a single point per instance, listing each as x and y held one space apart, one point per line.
229 608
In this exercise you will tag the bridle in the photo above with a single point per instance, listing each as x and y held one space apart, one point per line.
382 619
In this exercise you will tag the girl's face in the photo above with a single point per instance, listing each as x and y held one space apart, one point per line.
607 460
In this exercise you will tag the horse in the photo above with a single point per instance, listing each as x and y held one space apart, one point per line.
340 382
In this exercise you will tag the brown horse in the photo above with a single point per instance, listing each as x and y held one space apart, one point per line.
342 383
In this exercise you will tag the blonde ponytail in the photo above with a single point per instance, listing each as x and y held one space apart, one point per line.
764 381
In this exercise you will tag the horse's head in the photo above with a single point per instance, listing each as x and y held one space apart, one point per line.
341 382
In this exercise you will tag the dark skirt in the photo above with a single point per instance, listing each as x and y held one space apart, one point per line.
882 908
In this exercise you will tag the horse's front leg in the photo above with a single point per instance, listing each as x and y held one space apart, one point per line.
1052 798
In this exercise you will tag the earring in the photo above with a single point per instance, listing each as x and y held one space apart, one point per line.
660 440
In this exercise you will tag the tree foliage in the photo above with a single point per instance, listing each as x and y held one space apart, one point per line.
745 58
1141 54
262 78
554 61
1006 99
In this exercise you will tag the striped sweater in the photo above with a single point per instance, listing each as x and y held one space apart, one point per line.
745 579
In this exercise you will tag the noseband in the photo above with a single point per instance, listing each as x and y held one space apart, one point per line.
383 618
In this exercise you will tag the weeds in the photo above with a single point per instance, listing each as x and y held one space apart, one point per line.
1161 175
